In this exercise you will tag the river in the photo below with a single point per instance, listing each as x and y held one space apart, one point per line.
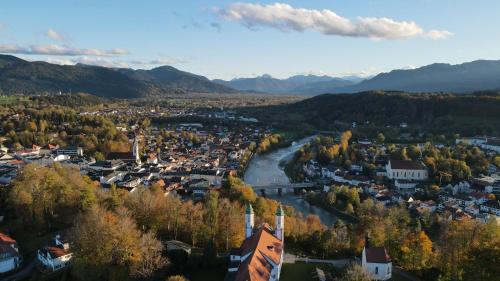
265 169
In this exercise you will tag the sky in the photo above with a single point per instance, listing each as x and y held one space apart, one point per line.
228 39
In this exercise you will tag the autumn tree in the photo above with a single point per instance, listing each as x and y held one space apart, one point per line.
109 244
417 252
355 273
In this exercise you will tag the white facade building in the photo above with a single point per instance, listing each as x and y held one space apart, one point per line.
55 257
407 170
260 257
377 263
10 258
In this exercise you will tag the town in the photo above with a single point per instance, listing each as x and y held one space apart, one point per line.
195 160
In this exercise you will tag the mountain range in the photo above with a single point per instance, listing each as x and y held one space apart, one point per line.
299 84
479 75
18 76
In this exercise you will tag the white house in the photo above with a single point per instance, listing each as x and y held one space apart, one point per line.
261 255
406 170
492 144
471 141
10 258
56 256
377 263
70 151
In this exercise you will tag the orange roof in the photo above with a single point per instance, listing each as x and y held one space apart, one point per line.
6 239
264 247
56 252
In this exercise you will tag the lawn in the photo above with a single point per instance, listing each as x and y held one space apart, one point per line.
301 271
213 274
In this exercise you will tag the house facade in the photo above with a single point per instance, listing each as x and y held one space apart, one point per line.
261 255
56 256
407 170
377 263
10 258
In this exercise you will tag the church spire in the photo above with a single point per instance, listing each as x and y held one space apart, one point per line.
135 150
280 223
249 221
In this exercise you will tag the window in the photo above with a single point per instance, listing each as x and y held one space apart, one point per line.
376 270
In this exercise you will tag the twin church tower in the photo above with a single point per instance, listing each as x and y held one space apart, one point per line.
279 230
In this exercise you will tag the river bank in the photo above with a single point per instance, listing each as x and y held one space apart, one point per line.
266 169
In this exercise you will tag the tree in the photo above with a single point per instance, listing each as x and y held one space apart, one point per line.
177 278
380 138
460 241
106 242
417 252
42 194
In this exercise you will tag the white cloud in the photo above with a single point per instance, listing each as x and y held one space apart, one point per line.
156 62
105 62
58 50
110 62
54 35
287 18
439 34
98 61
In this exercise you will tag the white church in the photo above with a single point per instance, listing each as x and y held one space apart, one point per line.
261 255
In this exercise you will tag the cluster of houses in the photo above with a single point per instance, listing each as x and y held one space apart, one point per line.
191 160
397 181
53 257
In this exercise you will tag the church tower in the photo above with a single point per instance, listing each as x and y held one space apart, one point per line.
249 221
135 150
280 223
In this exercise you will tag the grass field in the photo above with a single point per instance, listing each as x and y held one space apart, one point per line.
302 271
8 100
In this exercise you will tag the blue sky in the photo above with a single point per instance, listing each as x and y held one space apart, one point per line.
226 39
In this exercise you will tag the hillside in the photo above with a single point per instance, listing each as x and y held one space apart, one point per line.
170 77
480 75
23 77
18 76
468 114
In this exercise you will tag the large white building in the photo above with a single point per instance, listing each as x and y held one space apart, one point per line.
407 170
261 255
56 256
377 263
10 258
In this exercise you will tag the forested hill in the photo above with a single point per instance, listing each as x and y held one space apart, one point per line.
472 113
479 75
169 77
18 76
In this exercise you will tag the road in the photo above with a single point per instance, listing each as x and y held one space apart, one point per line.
290 258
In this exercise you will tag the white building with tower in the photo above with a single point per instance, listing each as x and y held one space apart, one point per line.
133 156
261 255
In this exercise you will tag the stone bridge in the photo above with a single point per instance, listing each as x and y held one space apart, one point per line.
280 187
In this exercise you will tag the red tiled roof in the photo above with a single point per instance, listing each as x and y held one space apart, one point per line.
406 165
263 246
120 156
56 252
377 255
6 239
